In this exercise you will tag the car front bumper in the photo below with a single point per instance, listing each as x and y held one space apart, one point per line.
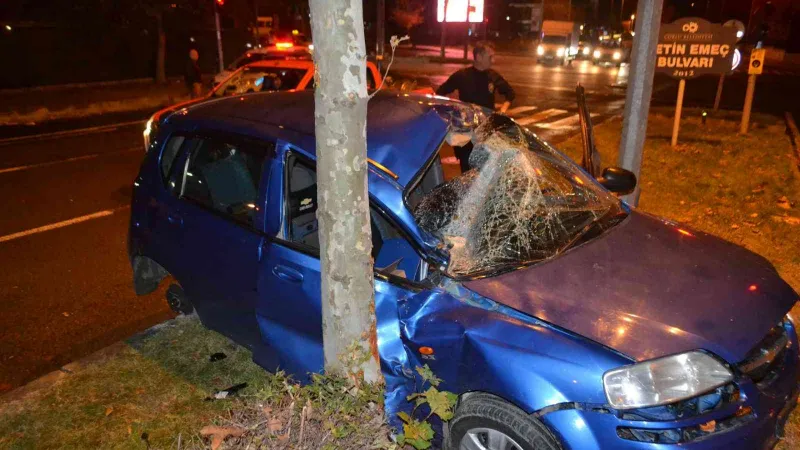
754 422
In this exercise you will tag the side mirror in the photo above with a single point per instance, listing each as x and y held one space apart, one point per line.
618 180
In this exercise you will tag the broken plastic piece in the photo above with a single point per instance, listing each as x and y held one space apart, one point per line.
219 395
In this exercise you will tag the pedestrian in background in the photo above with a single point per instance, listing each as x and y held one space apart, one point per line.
193 77
477 84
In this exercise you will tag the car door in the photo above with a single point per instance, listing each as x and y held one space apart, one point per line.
221 211
288 310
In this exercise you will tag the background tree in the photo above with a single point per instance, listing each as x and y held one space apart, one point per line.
340 116
408 14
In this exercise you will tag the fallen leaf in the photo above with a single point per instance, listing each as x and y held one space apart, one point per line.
267 410
274 425
283 437
735 227
219 434
754 215
65 314
109 410
130 430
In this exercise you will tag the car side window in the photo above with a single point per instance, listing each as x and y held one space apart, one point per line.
391 251
224 176
168 155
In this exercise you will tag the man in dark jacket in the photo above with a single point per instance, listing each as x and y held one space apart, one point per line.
192 75
477 84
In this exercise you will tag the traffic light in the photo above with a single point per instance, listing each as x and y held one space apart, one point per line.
220 2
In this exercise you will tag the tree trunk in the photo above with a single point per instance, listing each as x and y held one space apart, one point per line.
161 55
340 113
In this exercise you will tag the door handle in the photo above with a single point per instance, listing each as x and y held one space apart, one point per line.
287 274
175 219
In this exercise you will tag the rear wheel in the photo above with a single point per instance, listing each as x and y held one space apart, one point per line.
485 422
177 301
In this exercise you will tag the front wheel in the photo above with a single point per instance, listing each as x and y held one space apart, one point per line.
484 422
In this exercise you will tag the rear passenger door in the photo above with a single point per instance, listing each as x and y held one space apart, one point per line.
221 215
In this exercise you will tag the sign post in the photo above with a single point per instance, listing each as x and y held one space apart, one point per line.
691 47
739 27
756 68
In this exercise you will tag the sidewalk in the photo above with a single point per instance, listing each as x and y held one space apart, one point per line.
34 105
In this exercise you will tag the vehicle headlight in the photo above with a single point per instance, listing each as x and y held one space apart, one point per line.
560 51
586 51
596 54
540 50
617 55
664 380
149 130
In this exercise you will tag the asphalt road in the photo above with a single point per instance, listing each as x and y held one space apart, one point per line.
65 283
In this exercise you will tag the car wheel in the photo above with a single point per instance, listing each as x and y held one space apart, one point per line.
484 422
177 301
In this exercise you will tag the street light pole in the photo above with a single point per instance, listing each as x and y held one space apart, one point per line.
380 32
219 34
640 88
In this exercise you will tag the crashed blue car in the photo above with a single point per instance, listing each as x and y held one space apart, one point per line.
561 317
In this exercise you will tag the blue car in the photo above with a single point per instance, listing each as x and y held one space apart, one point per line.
561 317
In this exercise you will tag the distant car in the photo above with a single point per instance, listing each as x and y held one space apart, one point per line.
585 48
561 317
610 52
278 75
288 47
555 48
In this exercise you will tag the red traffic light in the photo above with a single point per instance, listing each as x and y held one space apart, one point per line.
220 2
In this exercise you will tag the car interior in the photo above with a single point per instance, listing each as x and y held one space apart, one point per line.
391 251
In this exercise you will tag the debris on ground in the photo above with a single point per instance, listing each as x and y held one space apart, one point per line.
219 356
225 393
219 434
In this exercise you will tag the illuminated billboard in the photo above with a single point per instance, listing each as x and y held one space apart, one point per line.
457 10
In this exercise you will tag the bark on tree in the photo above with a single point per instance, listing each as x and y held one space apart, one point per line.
340 114
161 56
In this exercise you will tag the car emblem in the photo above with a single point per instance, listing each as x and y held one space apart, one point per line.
305 201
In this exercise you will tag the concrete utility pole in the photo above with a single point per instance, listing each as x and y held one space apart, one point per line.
340 117
380 31
217 4
640 88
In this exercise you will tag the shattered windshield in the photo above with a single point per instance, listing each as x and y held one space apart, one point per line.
522 202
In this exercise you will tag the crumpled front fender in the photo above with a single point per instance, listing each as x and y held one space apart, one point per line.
481 345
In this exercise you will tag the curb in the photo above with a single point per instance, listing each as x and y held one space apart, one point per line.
51 379
55 87
794 137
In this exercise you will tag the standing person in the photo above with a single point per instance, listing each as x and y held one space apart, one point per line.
193 77
477 84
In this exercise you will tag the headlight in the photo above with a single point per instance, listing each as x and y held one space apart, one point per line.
149 130
617 55
596 54
664 380
540 50
560 51
586 51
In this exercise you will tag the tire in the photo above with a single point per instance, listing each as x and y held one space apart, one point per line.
177 301
480 416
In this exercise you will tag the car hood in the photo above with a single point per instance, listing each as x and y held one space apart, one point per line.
648 288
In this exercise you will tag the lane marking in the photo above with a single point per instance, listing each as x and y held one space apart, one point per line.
520 110
61 161
538 117
77 132
565 123
62 224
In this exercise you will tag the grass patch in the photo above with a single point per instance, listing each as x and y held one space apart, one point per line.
158 384
744 189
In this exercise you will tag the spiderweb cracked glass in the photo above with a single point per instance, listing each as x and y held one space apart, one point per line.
523 202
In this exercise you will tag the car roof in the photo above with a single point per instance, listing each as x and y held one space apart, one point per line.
288 63
403 130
